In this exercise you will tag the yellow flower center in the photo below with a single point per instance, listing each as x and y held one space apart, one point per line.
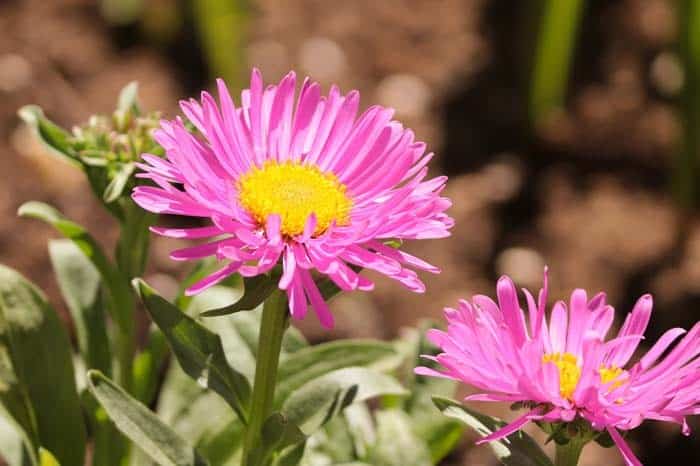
570 373
294 192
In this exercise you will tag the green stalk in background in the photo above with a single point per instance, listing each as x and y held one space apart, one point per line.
685 169
222 28
556 41
275 318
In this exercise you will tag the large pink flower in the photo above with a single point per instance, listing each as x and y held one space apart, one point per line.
565 367
303 181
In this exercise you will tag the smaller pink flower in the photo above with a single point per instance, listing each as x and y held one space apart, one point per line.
565 367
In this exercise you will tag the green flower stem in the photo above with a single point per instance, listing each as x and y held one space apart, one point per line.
569 454
272 327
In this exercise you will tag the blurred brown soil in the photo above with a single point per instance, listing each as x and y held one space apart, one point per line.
587 195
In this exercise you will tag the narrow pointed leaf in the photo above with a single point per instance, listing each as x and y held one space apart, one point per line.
13 447
292 456
519 449
129 98
50 134
116 186
119 292
256 291
37 382
142 426
199 415
397 443
361 428
314 361
277 434
198 350
442 433
80 285
319 400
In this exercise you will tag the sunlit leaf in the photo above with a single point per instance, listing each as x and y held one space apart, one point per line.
80 285
322 398
314 361
256 290
397 443
119 292
50 134
37 382
518 449
198 350
142 426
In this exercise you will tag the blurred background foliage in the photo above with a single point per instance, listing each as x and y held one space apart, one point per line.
569 129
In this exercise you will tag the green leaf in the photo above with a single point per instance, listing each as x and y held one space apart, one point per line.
109 446
292 456
440 432
50 134
519 449
354 463
120 295
80 285
239 332
46 458
148 364
277 434
184 405
256 291
198 350
201 416
13 445
120 179
129 98
142 426
397 443
315 361
37 383
320 399
334 441
361 428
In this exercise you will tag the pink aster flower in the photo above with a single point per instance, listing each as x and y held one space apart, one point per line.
303 181
566 368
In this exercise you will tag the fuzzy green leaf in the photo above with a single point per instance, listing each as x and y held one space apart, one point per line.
50 134
116 186
13 445
518 449
198 350
80 285
142 426
314 361
37 382
121 301
440 432
277 434
256 290
322 398
128 100
397 443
